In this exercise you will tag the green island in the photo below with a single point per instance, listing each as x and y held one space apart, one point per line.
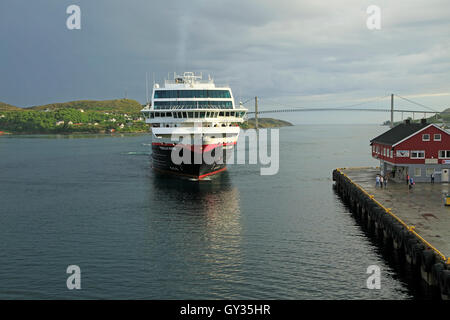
88 116
83 116
442 118
265 123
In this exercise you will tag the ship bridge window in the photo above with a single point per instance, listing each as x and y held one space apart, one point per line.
190 114
188 93
161 105
164 104
202 114
184 115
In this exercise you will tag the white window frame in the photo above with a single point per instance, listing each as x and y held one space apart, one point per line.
437 134
447 154
415 172
426 134
417 151
398 153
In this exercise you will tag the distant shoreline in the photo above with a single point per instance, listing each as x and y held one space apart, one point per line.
71 133
107 117
265 123
250 124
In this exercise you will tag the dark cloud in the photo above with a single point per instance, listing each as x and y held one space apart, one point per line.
292 52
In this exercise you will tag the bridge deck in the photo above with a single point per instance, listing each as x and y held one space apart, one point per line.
425 112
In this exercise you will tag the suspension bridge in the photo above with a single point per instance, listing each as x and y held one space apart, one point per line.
425 110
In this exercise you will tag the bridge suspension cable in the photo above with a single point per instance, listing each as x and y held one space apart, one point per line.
351 107
323 108
416 103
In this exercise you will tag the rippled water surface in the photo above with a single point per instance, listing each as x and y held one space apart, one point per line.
93 201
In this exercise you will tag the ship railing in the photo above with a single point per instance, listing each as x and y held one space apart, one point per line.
217 85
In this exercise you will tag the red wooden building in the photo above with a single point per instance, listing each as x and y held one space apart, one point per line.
415 149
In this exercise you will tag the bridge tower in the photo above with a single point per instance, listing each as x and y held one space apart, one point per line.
256 112
392 110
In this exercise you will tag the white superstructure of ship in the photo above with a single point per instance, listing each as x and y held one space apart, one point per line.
188 107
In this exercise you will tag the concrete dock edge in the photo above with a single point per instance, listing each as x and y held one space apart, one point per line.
427 262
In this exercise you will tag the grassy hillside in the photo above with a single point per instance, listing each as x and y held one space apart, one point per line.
8 107
121 115
265 123
117 105
445 115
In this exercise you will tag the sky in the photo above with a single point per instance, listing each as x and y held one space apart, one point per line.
291 54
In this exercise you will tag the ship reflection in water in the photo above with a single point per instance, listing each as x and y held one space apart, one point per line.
202 221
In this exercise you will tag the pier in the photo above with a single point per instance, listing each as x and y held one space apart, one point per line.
414 223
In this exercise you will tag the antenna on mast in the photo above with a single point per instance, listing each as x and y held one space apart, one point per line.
146 87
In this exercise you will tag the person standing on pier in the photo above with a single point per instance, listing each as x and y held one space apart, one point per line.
407 179
381 182
385 180
377 181
411 183
432 177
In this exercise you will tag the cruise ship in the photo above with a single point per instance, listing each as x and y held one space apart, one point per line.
188 108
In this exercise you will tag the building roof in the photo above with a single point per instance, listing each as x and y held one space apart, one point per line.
399 132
